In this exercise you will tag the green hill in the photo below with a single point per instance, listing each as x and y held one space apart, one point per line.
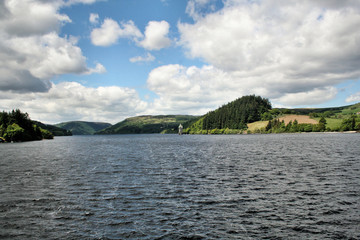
254 114
234 115
334 112
148 124
56 131
83 128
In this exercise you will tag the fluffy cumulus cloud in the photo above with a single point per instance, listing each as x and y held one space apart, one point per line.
156 36
314 96
32 52
70 100
31 17
110 31
287 51
190 90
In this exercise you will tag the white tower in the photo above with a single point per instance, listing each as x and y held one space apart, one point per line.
180 129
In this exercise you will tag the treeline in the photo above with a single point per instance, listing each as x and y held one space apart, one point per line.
17 126
351 124
236 114
276 126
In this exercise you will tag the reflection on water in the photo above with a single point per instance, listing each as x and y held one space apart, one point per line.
290 186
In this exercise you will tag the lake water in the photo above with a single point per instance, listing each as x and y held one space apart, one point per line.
286 186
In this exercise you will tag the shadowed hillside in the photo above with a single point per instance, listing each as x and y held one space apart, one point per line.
148 124
83 128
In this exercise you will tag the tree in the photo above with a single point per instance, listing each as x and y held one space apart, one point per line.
14 133
266 116
268 126
295 126
322 124
46 134
349 124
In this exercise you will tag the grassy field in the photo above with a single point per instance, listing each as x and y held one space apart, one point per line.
257 125
332 123
299 118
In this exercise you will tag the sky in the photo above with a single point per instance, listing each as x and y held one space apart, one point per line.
106 60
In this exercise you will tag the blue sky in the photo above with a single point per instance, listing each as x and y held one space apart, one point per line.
105 60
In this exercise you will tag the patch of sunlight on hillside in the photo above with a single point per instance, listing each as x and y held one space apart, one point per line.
257 125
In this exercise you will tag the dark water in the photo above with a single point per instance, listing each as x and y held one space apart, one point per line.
293 186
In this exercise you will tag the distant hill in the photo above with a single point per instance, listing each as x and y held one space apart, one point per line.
83 128
339 112
148 124
56 131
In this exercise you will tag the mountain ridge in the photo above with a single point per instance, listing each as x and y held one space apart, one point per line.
148 124
83 127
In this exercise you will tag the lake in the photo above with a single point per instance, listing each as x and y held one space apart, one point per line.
277 186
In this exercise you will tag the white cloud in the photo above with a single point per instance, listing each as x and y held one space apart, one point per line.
31 17
72 101
99 68
48 55
312 97
110 31
353 98
94 18
197 90
147 58
71 2
190 90
281 50
31 50
156 36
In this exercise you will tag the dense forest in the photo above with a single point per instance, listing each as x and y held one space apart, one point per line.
234 115
17 126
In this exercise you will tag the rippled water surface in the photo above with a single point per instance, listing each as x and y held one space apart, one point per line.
287 186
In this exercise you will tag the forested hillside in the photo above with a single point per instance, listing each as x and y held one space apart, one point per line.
234 115
17 126
253 114
83 128
148 124
56 131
